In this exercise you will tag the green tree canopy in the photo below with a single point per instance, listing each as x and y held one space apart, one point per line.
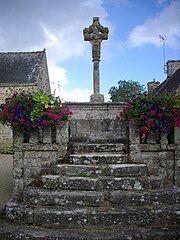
125 90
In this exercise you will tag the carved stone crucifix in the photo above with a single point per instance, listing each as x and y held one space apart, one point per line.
95 33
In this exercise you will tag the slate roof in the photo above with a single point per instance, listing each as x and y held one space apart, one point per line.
19 67
170 84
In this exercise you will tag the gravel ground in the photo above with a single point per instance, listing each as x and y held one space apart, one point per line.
6 182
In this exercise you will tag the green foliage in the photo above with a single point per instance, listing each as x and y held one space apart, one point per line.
125 91
6 148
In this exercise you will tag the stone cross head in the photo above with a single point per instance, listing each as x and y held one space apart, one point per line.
95 33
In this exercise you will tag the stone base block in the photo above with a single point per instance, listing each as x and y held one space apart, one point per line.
97 98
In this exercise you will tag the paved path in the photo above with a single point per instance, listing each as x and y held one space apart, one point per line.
6 185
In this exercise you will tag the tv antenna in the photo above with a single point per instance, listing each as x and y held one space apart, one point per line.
163 39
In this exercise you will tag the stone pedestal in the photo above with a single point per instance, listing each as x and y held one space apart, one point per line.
97 98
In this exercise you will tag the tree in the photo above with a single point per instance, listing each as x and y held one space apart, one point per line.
125 90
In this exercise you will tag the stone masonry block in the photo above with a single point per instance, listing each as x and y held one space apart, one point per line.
50 181
62 134
123 183
33 136
64 198
18 186
39 158
17 172
78 170
35 172
135 153
120 170
155 182
122 199
19 213
97 147
79 183
146 198
122 218
105 158
61 218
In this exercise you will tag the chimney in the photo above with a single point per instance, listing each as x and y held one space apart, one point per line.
172 66
152 85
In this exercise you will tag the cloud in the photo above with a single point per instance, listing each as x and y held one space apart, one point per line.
52 24
167 23
58 76
76 95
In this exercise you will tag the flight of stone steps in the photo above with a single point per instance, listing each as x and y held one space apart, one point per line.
98 191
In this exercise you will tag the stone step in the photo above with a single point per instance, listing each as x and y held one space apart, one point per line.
153 199
10 231
98 158
94 184
100 219
46 197
95 218
97 147
116 170
146 198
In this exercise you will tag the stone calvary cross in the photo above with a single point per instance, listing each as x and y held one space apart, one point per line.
95 33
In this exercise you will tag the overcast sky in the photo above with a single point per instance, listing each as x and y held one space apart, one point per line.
133 50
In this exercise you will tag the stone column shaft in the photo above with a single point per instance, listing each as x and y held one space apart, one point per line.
96 77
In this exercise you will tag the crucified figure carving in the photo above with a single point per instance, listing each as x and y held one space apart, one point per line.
95 34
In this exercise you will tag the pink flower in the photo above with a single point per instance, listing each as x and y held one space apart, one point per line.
177 124
143 130
153 112
60 116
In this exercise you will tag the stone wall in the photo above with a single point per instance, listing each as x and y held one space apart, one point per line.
96 122
162 159
36 153
7 91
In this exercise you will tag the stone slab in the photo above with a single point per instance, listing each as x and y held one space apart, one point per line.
61 218
95 184
97 147
116 170
153 199
9 231
63 198
101 158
